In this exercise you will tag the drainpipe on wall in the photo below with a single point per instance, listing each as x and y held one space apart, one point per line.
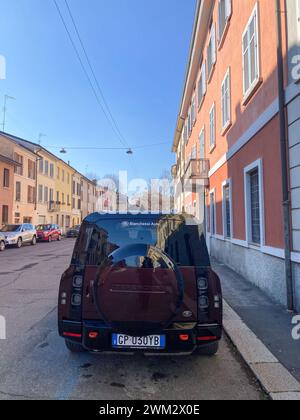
37 159
284 162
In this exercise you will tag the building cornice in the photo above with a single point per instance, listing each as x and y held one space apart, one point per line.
202 18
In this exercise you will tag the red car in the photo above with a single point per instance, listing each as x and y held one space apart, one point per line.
48 233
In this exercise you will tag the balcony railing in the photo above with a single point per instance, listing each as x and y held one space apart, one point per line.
54 206
197 169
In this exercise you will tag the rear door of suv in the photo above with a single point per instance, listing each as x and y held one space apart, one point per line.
126 281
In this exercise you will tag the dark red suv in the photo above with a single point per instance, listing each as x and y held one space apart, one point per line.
140 283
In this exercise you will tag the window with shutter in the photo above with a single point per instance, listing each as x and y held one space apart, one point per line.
227 210
250 54
211 53
212 213
298 19
212 123
202 84
18 191
226 101
254 205
202 144
224 11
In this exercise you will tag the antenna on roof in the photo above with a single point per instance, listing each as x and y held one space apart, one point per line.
41 135
6 98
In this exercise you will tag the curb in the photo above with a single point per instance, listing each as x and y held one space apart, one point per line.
274 378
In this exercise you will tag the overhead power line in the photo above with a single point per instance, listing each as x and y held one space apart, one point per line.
108 115
94 74
108 148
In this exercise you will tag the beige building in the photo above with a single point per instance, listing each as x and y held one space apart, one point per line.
88 197
76 199
63 194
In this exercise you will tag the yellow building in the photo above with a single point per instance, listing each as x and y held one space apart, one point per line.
47 189
63 197
22 179
46 209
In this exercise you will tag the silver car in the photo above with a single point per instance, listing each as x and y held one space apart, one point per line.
17 235
2 242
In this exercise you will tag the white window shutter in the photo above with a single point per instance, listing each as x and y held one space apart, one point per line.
213 41
219 22
298 19
204 78
228 8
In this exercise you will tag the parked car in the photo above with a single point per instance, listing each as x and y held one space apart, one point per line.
141 284
73 232
48 233
2 242
17 235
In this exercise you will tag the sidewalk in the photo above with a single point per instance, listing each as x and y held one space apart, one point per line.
268 321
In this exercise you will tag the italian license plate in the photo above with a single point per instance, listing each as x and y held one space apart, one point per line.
148 342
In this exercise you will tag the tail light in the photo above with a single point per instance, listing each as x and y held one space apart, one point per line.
77 290
202 283
203 303
208 338
76 299
184 337
202 293
77 281
93 335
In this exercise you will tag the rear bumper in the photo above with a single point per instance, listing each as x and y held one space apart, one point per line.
198 335
43 238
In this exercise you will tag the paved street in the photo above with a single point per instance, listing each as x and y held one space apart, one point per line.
34 363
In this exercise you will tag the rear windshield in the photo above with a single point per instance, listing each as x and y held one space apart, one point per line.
183 242
44 227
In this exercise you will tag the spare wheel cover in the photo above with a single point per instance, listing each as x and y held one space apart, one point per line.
138 300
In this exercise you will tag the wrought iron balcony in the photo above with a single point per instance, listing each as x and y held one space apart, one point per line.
54 206
198 169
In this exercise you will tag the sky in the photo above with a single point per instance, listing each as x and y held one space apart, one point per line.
139 52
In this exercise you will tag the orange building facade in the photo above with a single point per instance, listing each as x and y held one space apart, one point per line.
229 123
6 189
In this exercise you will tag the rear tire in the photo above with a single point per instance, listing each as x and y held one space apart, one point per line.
50 239
33 242
59 238
208 350
2 246
74 347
